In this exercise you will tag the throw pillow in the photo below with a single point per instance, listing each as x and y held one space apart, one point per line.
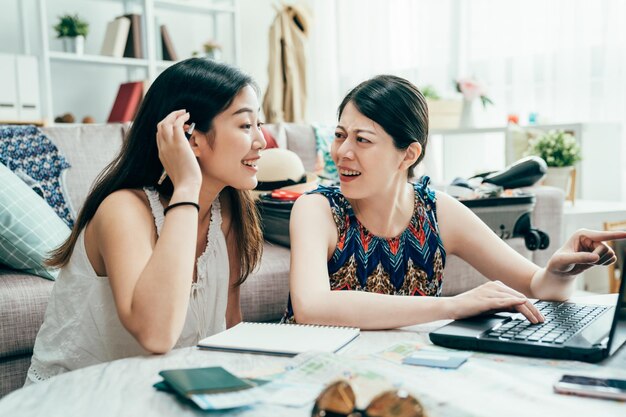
324 137
269 139
29 228
28 150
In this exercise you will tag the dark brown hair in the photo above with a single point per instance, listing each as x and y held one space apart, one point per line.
204 88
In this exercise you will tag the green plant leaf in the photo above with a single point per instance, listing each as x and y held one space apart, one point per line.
556 147
429 91
71 26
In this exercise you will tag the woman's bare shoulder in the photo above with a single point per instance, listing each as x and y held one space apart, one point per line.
312 213
127 206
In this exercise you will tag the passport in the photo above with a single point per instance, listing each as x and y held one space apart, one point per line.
213 380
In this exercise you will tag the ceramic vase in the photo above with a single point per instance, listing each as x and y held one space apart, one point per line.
74 45
467 114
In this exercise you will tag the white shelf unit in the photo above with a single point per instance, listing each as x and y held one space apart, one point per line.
601 175
98 59
152 64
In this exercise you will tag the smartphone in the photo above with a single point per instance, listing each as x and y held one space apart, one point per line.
614 389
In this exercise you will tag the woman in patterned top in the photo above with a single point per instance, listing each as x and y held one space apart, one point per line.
357 249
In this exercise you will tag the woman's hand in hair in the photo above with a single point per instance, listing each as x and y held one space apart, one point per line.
175 154
491 297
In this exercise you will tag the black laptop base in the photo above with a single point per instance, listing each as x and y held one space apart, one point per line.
520 349
464 334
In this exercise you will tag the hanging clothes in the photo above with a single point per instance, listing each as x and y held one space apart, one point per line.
285 98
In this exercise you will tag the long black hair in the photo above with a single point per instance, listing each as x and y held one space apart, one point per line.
397 106
204 88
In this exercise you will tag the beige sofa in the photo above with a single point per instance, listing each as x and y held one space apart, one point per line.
23 297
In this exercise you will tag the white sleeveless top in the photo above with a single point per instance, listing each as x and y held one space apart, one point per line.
81 326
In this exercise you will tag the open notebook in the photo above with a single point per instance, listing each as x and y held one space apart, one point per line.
280 339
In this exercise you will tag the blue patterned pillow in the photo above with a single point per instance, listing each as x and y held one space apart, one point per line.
26 150
324 137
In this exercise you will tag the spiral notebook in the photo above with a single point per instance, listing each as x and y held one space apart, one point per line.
280 339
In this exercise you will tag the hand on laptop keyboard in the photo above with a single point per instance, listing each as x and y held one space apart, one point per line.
493 296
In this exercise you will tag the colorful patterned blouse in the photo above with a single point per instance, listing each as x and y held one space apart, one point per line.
409 264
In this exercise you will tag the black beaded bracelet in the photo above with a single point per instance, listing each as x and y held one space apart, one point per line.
182 203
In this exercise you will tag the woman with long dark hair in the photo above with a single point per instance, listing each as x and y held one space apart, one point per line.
150 266
371 253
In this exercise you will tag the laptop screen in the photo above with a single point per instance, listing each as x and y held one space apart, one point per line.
618 329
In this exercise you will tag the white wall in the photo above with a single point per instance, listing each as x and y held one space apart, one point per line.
255 21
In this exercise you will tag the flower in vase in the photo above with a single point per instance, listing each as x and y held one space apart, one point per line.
472 89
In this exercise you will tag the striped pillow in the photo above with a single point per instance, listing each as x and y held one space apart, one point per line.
29 227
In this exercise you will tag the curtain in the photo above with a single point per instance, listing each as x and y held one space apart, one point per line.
353 40
564 60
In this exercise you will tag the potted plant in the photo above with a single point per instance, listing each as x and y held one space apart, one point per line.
212 49
560 151
72 30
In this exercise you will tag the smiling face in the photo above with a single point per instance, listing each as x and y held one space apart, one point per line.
228 152
365 155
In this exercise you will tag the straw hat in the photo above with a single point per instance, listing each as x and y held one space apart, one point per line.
283 169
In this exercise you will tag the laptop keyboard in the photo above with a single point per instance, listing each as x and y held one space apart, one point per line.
563 320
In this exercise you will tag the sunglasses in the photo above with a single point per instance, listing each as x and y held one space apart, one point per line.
338 400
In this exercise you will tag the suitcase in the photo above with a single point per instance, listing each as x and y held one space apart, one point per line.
275 218
510 217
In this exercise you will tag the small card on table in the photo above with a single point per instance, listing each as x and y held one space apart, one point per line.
437 359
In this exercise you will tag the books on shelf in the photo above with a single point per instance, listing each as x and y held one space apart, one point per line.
115 38
169 54
127 102
134 44
280 339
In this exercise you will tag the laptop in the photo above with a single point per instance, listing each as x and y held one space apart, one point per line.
574 331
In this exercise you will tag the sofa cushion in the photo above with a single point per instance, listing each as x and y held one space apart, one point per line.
548 217
270 141
23 301
88 148
301 140
13 371
264 294
459 276
324 137
27 150
29 228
